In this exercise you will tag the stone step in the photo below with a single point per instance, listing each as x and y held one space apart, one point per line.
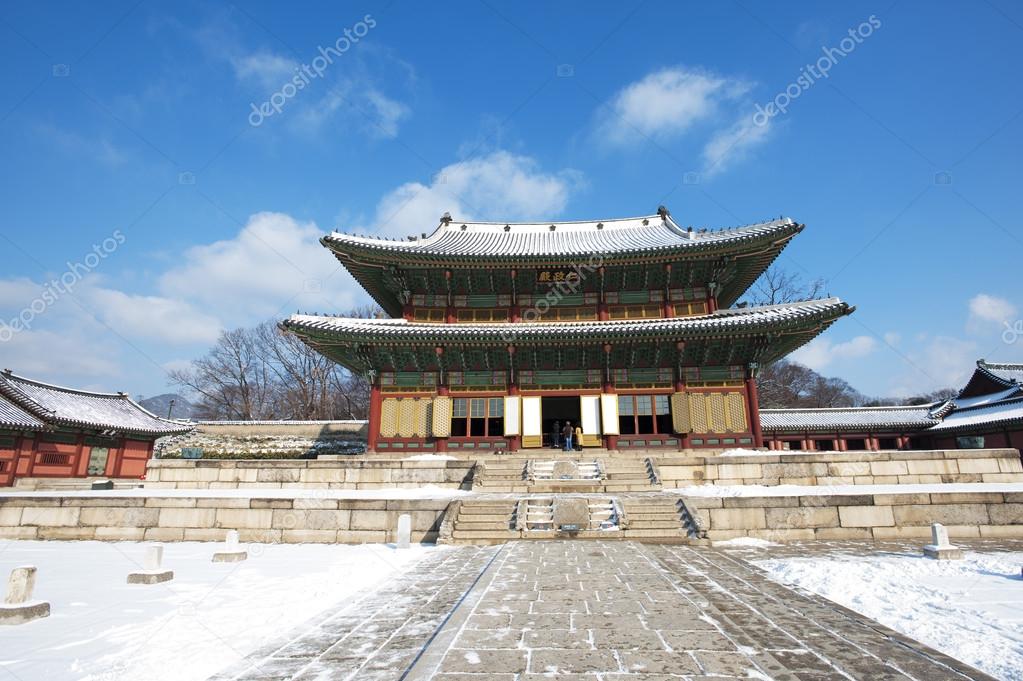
485 510
666 515
654 524
485 534
477 519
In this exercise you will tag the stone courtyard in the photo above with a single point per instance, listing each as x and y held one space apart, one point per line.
592 610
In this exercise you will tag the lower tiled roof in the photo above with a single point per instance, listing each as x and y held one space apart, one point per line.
13 416
993 414
857 419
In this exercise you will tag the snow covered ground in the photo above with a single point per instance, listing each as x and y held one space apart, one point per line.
970 609
211 614
825 490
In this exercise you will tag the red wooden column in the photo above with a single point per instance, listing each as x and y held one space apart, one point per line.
602 313
374 415
449 311
608 388
667 307
754 406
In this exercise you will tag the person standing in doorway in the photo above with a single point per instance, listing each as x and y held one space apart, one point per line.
556 435
566 434
578 441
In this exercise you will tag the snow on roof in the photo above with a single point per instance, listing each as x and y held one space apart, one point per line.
1000 412
490 239
851 418
13 415
1004 371
60 406
722 320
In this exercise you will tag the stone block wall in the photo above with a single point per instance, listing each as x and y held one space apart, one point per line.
845 468
862 516
259 520
356 473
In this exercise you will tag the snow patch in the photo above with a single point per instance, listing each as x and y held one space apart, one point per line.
752 542
825 490
970 609
430 457
207 618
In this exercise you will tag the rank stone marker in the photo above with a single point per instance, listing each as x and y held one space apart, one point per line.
232 553
404 530
18 607
940 548
152 572
571 514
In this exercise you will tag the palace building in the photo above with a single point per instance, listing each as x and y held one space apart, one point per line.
49 431
627 327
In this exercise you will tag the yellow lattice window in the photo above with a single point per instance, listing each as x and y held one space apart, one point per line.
735 412
690 309
389 417
482 315
651 311
716 413
428 314
680 413
441 416
698 412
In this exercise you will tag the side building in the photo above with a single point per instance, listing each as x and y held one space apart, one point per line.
56 432
625 327
986 413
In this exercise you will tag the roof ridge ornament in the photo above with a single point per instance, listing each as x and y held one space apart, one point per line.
445 219
663 212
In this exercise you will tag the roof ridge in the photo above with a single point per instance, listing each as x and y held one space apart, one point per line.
891 406
78 391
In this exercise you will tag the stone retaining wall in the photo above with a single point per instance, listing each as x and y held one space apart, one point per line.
267 520
345 473
845 468
292 428
861 516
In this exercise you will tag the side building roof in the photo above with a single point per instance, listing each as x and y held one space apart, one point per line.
56 406
855 419
1000 413
743 253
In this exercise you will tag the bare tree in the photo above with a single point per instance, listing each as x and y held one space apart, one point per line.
787 384
265 372
776 286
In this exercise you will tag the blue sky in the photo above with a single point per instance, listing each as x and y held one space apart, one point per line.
133 174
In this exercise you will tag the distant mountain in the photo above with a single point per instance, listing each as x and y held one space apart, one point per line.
160 404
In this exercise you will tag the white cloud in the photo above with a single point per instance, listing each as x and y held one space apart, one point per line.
935 362
893 338
362 105
56 355
273 266
732 144
154 317
498 186
821 352
987 311
666 103
264 68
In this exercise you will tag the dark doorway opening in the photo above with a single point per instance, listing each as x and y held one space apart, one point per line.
558 409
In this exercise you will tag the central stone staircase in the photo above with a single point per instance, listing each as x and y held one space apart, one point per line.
660 518
591 476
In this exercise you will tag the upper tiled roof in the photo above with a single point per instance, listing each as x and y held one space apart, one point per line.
58 406
847 418
494 240
1005 372
736 320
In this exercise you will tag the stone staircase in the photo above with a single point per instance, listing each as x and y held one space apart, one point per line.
598 475
649 518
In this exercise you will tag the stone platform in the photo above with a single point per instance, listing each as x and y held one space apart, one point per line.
593 610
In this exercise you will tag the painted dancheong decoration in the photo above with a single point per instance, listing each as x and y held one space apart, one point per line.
621 332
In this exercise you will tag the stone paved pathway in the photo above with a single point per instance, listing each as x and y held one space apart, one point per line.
600 611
